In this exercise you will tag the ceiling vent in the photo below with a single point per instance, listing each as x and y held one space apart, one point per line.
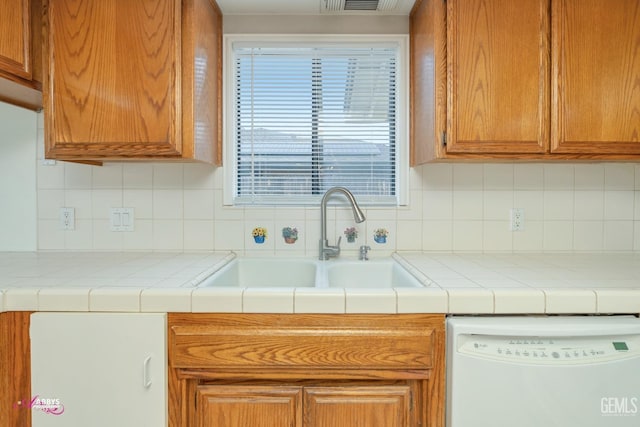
359 5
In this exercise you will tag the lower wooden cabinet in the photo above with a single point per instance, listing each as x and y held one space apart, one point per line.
306 370
15 374
323 404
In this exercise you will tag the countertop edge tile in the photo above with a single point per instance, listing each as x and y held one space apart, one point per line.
115 300
617 300
216 300
21 299
371 301
471 301
176 300
268 300
518 300
570 301
428 300
63 299
319 300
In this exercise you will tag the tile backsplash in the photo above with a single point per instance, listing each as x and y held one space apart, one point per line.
568 207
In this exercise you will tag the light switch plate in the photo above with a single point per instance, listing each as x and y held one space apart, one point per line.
122 219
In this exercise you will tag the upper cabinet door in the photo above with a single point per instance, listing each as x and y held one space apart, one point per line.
15 37
133 80
113 82
498 76
596 75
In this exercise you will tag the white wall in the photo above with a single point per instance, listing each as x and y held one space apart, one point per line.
18 134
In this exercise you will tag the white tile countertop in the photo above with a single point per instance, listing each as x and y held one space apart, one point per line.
457 283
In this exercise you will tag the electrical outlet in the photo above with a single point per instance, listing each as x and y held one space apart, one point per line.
122 219
67 218
517 219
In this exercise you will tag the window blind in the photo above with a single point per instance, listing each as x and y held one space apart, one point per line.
308 118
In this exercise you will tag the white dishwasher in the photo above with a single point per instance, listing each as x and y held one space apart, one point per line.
564 371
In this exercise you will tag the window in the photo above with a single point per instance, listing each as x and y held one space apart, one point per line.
306 116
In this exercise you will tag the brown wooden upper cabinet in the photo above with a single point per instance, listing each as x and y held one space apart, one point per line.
133 80
21 53
596 77
527 79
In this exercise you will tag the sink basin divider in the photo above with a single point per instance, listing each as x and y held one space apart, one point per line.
322 277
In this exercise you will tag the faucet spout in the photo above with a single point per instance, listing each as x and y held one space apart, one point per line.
327 251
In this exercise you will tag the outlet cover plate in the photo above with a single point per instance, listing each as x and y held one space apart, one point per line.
67 218
517 219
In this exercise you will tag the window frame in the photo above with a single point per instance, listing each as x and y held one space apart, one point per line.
229 116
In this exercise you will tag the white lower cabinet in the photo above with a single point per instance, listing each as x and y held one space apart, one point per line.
98 369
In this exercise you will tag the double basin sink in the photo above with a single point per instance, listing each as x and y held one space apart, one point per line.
308 273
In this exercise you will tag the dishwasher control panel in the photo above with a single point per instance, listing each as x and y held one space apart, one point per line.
549 350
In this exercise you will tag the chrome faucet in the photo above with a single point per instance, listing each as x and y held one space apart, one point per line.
364 253
327 251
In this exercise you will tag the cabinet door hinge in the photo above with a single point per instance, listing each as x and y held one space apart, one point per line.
195 399
444 139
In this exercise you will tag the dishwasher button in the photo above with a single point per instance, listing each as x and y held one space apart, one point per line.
555 355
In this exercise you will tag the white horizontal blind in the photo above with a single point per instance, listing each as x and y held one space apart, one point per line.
308 118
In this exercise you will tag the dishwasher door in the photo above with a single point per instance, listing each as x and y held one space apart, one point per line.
543 371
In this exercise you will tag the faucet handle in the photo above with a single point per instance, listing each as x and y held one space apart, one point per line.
338 242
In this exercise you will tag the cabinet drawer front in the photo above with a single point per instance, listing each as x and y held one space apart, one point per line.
334 344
